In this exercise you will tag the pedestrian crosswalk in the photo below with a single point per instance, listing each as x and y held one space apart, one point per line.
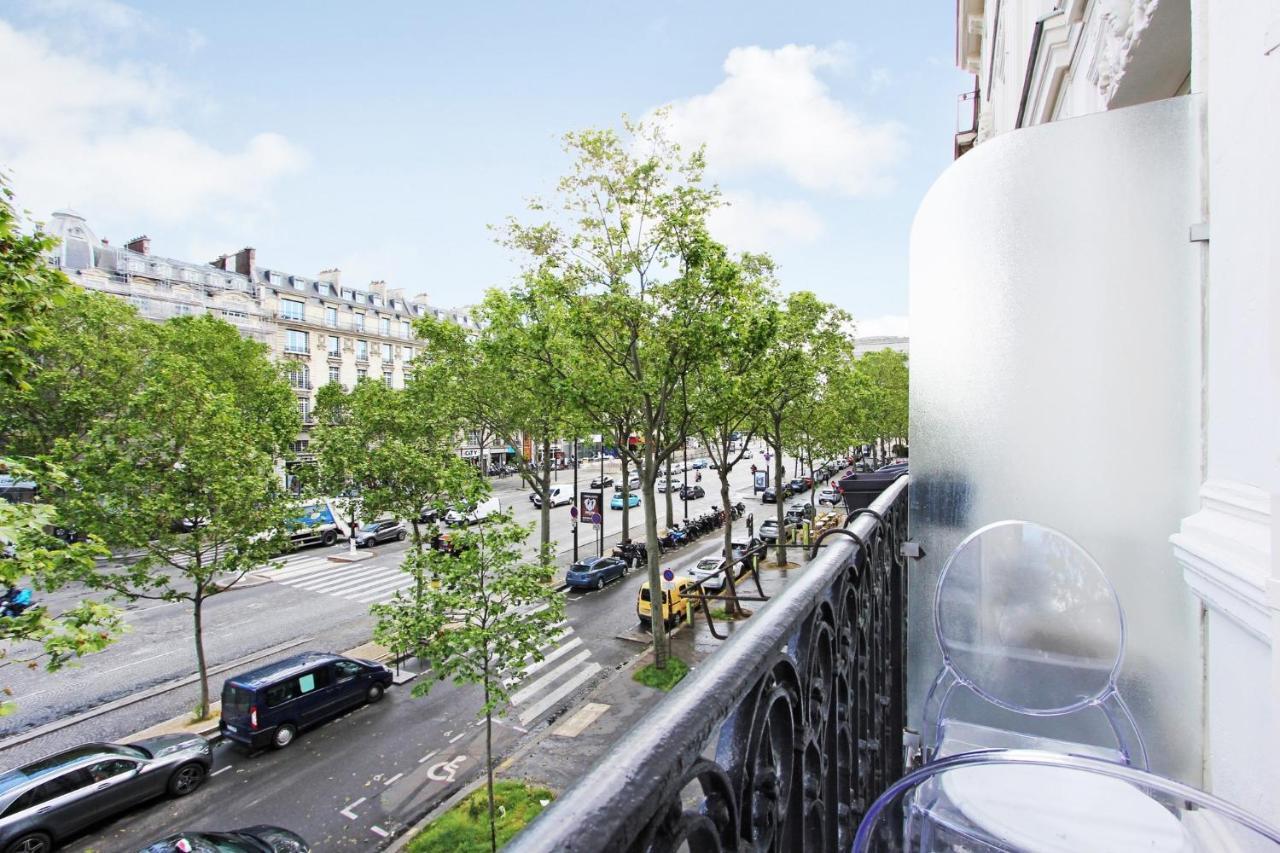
541 684
361 582
536 688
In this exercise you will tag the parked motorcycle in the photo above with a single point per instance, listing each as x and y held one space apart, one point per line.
14 601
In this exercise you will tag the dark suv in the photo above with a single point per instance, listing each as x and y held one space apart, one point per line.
46 801
268 706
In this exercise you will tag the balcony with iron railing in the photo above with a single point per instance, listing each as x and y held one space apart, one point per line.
783 738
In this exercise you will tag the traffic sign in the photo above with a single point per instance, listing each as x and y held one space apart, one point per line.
668 575
573 512
596 518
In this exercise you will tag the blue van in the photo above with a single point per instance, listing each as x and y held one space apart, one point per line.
269 705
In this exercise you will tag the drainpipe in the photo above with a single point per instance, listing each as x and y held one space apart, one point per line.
1031 64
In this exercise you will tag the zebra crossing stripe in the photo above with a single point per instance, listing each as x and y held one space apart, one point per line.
532 689
559 693
320 583
302 567
534 667
375 590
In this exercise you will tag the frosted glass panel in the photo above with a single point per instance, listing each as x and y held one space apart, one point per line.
1055 378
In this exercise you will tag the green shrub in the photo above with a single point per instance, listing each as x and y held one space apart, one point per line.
465 827
662 679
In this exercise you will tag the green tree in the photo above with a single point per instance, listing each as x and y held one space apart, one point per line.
475 615
629 266
882 378
199 444
341 445
811 338
30 294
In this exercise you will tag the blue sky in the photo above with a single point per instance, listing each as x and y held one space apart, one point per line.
383 138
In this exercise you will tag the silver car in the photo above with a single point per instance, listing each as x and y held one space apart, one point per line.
46 801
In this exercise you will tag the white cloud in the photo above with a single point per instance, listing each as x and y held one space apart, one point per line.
892 326
84 133
751 223
773 114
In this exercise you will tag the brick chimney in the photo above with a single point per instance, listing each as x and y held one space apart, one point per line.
246 260
333 276
141 245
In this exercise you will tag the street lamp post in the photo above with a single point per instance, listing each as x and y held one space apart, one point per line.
600 528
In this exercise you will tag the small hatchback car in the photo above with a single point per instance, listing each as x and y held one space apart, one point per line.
44 802
268 706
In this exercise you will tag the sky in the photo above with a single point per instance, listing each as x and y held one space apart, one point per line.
385 139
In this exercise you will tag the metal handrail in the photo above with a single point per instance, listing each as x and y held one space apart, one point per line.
781 739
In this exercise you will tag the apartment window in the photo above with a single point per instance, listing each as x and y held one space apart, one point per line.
386 352
386 378
181 310
473 436
348 295
377 301
331 317
291 309
137 266
361 373
334 347
273 277
404 328
359 322
300 376
161 270
299 284
142 303
295 341
234 315
384 325
304 409
301 445
362 350
408 353
334 373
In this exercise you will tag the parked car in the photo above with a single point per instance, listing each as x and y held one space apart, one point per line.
664 485
699 463
558 496
798 486
692 492
829 496
746 454
741 546
676 605
633 483
632 500
770 495
799 512
769 531
428 515
467 515
252 839
380 531
708 570
603 482
269 705
595 572
47 801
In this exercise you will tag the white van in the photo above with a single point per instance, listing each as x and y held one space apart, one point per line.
559 496
460 515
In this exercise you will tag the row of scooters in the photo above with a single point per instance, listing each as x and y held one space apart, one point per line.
713 519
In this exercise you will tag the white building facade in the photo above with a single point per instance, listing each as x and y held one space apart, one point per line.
1143 135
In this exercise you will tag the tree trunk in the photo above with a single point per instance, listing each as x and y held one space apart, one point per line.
545 500
661 650
488 762
775 441
671 516
731 606
202 710
626 494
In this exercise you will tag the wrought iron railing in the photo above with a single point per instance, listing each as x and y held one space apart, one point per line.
784 737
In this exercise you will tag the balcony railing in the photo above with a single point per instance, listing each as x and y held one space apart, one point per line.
784 737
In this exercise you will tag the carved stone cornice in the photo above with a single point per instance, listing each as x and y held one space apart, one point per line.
1121 24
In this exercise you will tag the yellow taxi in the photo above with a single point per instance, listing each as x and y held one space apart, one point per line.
676 602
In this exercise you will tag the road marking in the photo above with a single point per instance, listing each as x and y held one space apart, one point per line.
136 662
531 689
380 831
445 770
220 770
534 667
559 693
424 759
459 736
393 778
576 724
347 813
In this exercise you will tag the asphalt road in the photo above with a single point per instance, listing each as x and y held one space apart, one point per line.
379 768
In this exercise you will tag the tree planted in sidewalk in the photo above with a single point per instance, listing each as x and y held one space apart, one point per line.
479 614
627 260
188 475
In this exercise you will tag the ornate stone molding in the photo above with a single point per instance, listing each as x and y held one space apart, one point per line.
1121 24
1225 552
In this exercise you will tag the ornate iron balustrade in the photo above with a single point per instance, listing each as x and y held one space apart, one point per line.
784 737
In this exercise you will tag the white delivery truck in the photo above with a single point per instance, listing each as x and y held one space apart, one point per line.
463 515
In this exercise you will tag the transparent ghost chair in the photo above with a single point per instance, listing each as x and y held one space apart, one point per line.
1028 622
1014 800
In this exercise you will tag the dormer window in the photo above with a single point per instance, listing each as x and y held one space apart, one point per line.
274 277
349 295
